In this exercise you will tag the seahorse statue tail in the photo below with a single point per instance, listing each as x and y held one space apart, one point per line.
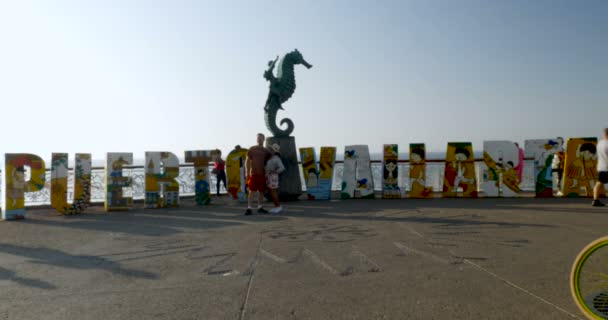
271 123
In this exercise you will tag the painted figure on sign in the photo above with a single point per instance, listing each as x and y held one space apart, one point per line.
357 173
326 163
457 170
582 171
235 171
201 187
580 167
117 167
418 188
16 183
557 169
17 187
510 176
318 179
313 178
389 171
543 151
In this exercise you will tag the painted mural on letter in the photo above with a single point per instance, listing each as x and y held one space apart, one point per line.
162 188
418 188
201 159
15 184
357 173
543 151
59 183
235 172
116 182
390 172
500 179
460 171
319 178
580 167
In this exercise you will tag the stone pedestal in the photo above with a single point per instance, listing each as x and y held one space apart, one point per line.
290 185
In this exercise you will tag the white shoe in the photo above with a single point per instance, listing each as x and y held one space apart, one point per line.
277 209
560 194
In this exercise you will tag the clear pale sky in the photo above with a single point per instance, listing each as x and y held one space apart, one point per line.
100 76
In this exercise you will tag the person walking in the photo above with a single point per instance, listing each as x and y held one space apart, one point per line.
274 167
557 167
220 171
255 173
602 169
520 163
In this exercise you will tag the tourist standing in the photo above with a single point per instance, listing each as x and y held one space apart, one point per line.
557 167
255 173
220 171
520 163
274 167
602 169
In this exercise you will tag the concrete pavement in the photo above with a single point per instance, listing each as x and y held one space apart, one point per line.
357 259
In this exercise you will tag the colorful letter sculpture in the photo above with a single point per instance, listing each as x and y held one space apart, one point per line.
59 183
162 188
201 159
580 167
390 172
357 173
542 150
235 171
15 184
460 171
318 179
418 188
116 182
500 179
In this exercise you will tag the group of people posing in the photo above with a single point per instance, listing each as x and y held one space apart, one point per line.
262 169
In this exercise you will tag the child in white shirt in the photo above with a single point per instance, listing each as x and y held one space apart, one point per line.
274 167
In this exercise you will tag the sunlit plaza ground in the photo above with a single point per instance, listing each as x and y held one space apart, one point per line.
358 259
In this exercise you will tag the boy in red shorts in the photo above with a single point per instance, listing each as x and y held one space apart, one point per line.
255 173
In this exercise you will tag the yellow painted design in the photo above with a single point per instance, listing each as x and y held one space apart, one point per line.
319 178
580 167
235 172
116 181
418 188
459 171
501 178
162 188
201 159
390 172
16 185
59 183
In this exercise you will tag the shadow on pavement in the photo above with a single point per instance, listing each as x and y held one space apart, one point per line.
47 256
6 274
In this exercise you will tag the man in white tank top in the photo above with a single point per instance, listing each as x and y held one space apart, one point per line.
602 169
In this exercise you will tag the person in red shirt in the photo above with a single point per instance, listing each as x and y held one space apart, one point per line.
220 171
255 173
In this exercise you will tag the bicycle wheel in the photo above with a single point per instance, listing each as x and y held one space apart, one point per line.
589 280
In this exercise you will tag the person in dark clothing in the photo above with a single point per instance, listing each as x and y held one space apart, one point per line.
220 171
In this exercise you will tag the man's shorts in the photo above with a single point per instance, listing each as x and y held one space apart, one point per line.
603 176
257 182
